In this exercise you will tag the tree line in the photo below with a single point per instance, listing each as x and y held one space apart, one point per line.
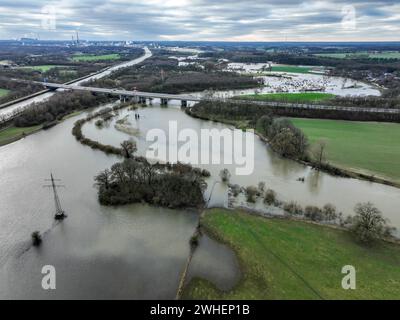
58 106
161 74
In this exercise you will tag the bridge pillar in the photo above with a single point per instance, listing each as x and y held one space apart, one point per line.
164 101
142 100
183 103
150 100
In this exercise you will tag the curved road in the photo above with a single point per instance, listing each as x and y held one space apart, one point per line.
13 109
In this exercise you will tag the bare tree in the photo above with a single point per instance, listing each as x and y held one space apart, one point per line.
103 179
128 148
319 151
368 224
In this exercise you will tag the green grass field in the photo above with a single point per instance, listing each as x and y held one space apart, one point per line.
3 92
42 68
90 57
292 69
284 259
10 134
371 55
289 97
364 146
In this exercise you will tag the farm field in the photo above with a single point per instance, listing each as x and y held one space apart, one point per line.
364 146
3 92
275 259
371 55
42 68
291 69
302 97
89 57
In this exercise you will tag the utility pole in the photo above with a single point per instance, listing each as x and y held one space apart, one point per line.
60 214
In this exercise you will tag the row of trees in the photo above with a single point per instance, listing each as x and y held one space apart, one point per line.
57 106
284 138
161 74
17 89
367 224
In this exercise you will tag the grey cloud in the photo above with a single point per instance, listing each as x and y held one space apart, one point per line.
201 19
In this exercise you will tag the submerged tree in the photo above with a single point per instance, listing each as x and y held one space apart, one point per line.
128 148
318 152
36 238
225 175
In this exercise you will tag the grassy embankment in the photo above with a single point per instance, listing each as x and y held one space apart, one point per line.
365 147
12 134
302 97
288 259
90 57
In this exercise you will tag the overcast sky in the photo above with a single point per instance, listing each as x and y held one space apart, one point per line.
241 20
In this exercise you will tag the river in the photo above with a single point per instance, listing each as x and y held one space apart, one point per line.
135 251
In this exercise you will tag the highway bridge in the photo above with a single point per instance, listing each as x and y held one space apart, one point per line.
165 97
139 96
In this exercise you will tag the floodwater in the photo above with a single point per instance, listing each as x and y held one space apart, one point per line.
303 82
279 174
129 252
135 251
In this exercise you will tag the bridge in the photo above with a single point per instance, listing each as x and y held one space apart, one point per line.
139 96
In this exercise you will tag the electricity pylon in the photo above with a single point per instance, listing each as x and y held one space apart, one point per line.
60 214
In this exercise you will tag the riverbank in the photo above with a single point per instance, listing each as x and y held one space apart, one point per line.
366 147
290 259
13 133
334 170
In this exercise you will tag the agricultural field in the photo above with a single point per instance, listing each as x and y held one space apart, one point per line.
42 68
370 55
302 97
3 92
91 57
274 255
362 146
291 69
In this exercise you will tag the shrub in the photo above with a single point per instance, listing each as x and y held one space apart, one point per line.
194 241
313 213
251 194
235 190
293 208
329 212
225 175
36 238
270 197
